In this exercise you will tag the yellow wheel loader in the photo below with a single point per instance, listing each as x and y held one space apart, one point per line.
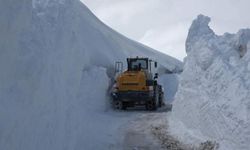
137 85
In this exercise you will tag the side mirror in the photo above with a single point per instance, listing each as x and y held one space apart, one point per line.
156 76
155 64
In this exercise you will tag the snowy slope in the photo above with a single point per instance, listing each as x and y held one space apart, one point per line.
213 99
56 58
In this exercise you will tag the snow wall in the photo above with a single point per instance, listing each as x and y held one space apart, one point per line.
56 58
213 99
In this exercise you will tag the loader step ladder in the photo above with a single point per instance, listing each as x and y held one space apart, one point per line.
118 67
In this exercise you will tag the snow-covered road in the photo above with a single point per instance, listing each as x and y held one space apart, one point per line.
136 133
100 127
146 130
143 130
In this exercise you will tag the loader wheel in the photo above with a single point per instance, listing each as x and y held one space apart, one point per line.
117 105
151 105
160 100
124 106
120 105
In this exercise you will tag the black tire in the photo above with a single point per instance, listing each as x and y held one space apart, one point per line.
151 105
117 105
157 96
161 94
160 99
124 106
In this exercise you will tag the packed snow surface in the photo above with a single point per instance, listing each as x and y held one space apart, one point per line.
213 99
56 60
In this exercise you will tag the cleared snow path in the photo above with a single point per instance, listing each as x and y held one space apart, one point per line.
94 125
149 131
138 133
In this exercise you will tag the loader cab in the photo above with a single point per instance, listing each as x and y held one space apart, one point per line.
137 64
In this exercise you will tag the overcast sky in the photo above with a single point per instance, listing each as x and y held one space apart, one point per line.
163 24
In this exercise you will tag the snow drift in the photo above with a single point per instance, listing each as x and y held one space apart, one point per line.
213 98
55 61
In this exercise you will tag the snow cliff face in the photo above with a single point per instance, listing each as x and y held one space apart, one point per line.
54 60
213 96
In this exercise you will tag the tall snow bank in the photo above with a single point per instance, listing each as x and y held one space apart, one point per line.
213 96
54 60
170 84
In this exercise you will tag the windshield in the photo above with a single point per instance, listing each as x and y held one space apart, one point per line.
138 64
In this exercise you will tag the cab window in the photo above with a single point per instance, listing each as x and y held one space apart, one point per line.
137 64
